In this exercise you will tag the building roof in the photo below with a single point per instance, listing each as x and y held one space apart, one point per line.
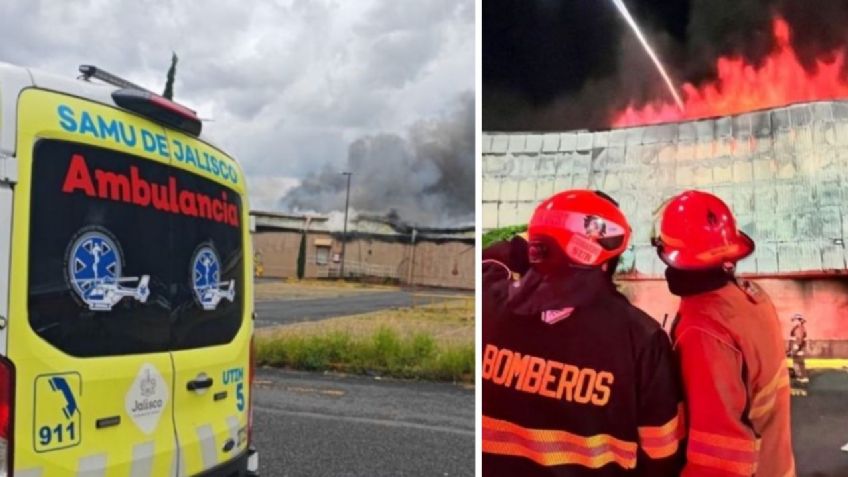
363 225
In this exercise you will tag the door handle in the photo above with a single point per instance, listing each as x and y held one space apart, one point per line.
200 382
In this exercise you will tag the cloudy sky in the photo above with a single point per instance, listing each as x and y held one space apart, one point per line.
289 84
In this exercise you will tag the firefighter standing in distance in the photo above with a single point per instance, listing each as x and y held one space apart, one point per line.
797 348
577 382
729 342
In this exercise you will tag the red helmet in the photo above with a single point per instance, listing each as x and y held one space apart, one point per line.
696 231
585 225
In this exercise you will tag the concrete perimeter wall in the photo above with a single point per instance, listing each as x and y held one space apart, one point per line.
783 171
448 264
823 301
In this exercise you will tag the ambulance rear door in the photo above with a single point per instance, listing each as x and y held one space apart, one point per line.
90 309
212 328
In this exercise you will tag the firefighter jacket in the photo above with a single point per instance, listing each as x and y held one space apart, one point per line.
576 381
731 353
798 340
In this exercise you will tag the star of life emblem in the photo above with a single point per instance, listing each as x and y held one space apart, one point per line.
206 274
94 272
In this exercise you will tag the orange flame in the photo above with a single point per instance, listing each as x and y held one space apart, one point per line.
741 87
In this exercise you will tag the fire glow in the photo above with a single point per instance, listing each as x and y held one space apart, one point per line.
780 80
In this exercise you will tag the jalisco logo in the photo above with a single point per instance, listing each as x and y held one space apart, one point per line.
147 389
146 399
147 385
547 378
134 189
147 405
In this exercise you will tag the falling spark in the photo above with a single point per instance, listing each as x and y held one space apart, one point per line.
630 21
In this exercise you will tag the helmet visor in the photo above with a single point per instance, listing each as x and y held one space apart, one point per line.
606 233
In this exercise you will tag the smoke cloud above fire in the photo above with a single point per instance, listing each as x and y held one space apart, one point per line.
425 176
576 65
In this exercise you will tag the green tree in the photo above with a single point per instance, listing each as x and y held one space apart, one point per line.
172 71
504 233
301 257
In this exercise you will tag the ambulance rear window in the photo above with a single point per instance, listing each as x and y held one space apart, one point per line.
130 256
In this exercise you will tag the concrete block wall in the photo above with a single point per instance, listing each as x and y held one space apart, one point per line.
448 264
823 301
783 171
277 251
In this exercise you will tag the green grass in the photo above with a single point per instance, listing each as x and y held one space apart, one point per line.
383 352
504 233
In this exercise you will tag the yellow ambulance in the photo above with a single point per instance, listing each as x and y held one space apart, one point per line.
125 285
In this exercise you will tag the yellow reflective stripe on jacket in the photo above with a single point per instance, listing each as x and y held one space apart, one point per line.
662 441
553 447
729 454
763 401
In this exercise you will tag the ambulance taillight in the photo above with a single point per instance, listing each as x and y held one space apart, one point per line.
159 109
7 393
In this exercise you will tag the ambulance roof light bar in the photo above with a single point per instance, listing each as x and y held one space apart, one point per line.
91 71
145 102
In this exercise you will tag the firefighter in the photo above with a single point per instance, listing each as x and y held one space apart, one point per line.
797 348
576 381
729 342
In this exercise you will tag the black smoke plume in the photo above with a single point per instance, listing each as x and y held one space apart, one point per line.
555 65
426 176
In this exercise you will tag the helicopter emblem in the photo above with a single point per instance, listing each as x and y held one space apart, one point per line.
94 272
206 274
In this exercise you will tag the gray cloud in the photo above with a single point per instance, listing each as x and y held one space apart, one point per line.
289 83
425 175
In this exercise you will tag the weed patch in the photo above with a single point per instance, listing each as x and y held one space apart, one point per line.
384 352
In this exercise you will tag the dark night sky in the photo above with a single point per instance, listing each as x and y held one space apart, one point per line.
568 64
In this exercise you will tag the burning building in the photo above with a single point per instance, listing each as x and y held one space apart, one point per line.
781 77
383 249
424 174
783 170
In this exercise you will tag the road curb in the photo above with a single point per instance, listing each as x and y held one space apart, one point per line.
822 363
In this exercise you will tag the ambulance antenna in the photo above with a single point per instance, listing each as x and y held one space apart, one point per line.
91 71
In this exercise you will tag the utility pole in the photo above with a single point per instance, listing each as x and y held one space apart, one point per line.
344 235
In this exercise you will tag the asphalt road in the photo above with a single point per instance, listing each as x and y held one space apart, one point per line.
820 426
283 312
322 425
